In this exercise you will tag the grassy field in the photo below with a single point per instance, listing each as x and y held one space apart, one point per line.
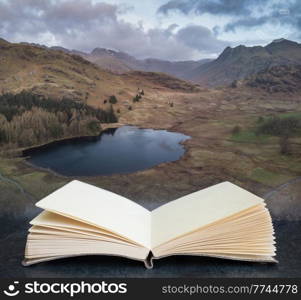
296 115
271 168
213 154
249 136
269 178
36 185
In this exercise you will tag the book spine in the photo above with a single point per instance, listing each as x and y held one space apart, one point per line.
148 262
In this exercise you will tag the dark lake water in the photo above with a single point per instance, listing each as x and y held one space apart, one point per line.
123 150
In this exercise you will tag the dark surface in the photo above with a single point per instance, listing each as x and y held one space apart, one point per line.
13 238
123 150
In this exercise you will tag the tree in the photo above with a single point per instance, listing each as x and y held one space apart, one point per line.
3 125
284 128
111 117
27 119
279 127
56 130
260 119
234 84
94 126
236 130
137 98
113 99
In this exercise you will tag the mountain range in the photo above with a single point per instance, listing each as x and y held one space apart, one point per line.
232 64
59 73
120 62
240 62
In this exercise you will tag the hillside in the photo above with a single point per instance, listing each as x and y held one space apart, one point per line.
59 73
50 73
120 62
240 62
181 69
49 94
283 79
163 81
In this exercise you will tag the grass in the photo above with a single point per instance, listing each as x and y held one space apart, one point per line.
36 182
296 115
285 167
6 167
12 202
285 116
40 184
249 136
291 163
268 177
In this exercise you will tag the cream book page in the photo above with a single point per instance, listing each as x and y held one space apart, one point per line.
198 209
50 220
101 208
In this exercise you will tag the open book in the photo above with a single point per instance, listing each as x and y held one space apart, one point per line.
223 221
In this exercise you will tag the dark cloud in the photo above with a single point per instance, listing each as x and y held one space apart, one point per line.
243 13
277 14
246 22
216 7
84 25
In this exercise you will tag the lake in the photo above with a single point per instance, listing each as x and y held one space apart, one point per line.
116 151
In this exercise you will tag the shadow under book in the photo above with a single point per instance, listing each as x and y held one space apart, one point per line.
223 221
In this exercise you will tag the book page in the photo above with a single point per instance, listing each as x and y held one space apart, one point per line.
52 220
198 209
98 207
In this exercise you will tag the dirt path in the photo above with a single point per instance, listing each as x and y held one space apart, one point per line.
18 186
280 187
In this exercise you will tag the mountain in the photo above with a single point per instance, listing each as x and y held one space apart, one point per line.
110 60
59 73
240 62
277 79
181 69
120 62
57 48
3 42
50 94
233 63
47 72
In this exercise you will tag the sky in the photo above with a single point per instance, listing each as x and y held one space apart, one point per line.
163 29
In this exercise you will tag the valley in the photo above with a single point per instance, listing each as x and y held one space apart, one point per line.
213 154
222 123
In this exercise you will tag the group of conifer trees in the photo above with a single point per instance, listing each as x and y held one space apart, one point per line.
27 119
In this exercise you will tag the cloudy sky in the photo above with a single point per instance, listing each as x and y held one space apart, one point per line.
173 30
